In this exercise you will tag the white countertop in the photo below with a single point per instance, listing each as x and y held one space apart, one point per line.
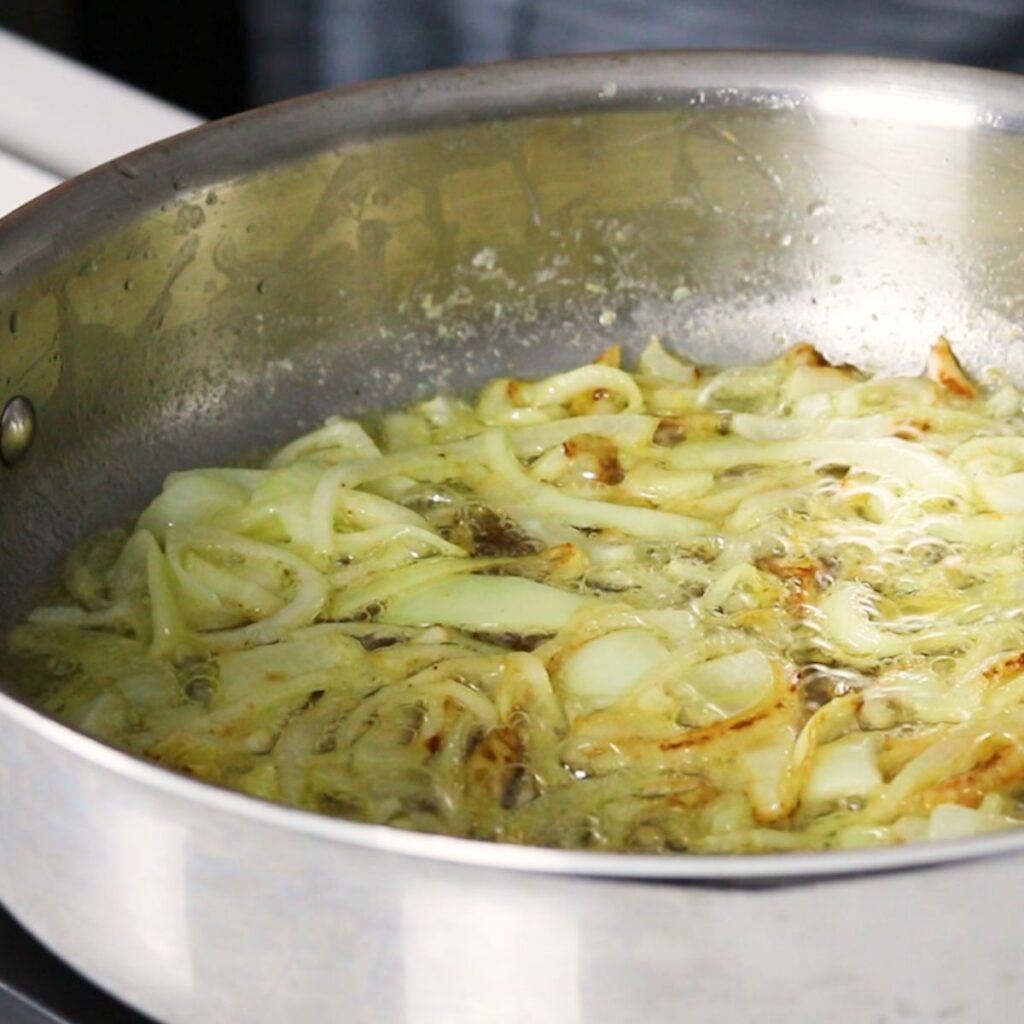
59 118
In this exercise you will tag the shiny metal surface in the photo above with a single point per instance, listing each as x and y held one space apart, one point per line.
17 429
219 292
198 915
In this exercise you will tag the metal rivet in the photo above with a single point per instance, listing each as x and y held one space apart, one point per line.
17 429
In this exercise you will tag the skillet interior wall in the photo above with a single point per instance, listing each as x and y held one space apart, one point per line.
237 314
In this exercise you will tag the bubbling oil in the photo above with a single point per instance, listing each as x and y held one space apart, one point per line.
670 610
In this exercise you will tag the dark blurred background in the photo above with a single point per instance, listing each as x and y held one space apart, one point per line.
216 57
193 53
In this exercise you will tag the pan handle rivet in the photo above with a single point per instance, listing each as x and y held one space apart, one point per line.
17 429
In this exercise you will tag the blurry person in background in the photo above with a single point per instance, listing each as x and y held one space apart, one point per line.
303 45
217 58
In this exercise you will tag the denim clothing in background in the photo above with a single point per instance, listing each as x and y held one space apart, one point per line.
303 45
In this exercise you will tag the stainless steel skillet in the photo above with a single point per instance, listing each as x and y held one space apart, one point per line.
215 293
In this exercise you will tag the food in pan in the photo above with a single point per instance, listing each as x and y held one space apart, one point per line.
764 608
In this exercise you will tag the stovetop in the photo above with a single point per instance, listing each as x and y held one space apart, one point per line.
37 988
